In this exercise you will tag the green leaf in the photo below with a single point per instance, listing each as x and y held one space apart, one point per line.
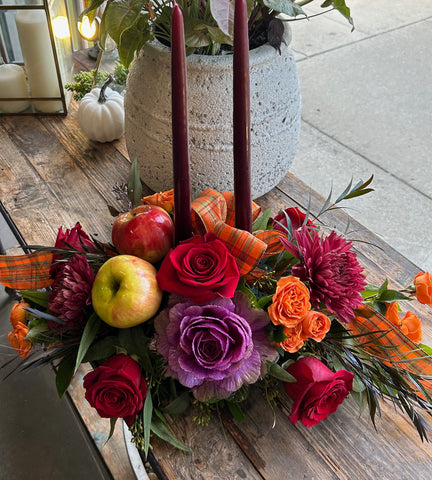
360 189
34 296
133 39
37 332
223 12
65 373
90 331
134 187
264 301
90 10
103 349
113 422
383 287
392 296
278 372
242 287
147 420
45 316
262 221
236 411
178 405
289 7
159 429
426 348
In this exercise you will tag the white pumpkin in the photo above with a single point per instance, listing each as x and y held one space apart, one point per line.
101 114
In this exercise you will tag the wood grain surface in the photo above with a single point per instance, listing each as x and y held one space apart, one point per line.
52 176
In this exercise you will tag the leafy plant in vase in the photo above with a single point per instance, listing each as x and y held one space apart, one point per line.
141 30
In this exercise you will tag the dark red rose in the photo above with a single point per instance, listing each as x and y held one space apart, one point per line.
296 216
116 388
199 269
318 391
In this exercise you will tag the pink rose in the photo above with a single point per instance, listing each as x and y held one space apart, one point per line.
296 216
318 390
199 269
116 388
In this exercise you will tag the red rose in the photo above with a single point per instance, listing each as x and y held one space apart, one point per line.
296 216
116 388
199 269
318 390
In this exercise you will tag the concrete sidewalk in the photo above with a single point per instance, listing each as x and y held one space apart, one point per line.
367 109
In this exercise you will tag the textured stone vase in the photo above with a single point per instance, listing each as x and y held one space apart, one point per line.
275 117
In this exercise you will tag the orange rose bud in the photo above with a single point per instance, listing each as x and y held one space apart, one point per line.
17 340
392 313
411 326
18 313
290 302
294 340
423 286
315 325
164 200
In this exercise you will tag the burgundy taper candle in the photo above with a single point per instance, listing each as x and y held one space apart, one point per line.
180 131
241 119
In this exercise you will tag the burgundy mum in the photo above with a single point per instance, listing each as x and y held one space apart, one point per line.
71 291
334 275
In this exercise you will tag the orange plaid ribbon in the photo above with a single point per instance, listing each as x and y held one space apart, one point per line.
214 212
26 272
393 346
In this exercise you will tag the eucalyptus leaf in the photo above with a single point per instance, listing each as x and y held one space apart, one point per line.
90 331
236 411
278 372
35 296
262 221
178 405
147 420
160 430
65 373
102 349
113 422
45 316
134 187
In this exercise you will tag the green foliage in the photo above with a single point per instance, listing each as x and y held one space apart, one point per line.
90 331
65 372
208 24
84 81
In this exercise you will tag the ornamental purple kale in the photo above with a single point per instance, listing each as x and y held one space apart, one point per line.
215 348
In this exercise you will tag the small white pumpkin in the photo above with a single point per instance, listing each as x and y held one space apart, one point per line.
101 114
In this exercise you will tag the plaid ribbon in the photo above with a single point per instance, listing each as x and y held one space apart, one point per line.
393 347
26 272
213 211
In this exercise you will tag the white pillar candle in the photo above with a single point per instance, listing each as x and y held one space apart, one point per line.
38 57
13 85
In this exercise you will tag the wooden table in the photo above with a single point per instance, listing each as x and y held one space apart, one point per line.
52 175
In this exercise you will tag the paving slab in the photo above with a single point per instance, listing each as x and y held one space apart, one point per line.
394 211
375 96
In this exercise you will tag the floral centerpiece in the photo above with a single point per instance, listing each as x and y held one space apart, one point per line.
220 301
194 329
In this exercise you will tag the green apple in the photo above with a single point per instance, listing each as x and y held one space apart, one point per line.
125 291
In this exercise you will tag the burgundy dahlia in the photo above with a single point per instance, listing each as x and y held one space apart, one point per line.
214 348
71 291
334 275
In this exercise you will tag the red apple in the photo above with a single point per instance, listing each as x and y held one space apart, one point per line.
147 232
125 291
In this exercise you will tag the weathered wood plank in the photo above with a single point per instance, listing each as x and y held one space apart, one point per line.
215 455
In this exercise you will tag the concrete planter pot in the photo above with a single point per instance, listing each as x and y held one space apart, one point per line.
275 117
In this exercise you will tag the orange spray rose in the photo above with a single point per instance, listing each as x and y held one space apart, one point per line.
161 199
392 313
423 286
17 340
294 340
290 302
315 325
411 326
18 313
